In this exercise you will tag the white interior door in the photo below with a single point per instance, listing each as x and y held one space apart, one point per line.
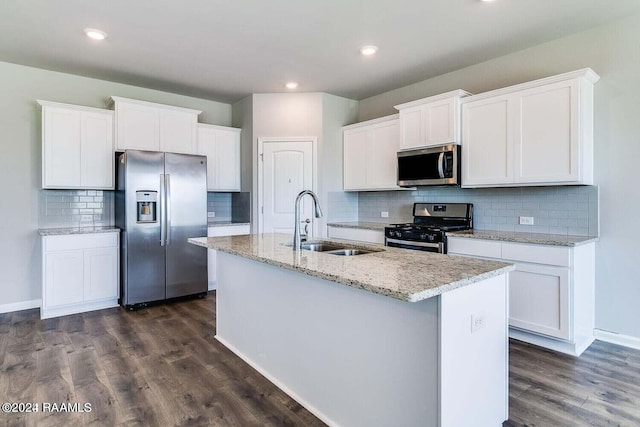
287 169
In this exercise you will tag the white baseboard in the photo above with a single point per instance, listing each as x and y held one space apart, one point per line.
614 338
18 306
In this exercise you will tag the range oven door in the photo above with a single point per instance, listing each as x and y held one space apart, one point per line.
419 246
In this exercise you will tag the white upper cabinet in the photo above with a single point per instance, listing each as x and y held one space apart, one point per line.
221 145
77 146
370 154
142 125
536 133
431 121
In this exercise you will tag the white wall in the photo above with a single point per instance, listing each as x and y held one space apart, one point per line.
613 51
20 159
299 115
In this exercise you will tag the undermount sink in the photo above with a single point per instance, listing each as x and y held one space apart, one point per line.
351 252
333 248
320 247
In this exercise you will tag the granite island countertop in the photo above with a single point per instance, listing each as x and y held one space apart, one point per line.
520 237
398 273
64 231
226 223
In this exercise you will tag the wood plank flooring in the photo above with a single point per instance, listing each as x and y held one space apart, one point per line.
161 366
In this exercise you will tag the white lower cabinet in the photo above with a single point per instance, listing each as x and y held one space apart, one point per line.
217 231
356 234
80 273
551 291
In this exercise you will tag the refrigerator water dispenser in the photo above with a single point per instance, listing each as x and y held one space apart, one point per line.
147 203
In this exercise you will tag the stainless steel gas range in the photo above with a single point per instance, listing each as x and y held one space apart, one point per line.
431 221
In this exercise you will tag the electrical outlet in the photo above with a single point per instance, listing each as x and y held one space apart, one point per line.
384 214
211 214
526 220
477 322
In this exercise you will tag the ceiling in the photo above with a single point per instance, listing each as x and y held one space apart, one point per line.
227 49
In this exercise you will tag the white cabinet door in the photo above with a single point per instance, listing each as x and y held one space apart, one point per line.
64 278
412 128
77 146
381 155
221 145
142 125
440 123
61 135
97 150
137 127
431 121
536 133
228 160
355 158
177 131
487 142
539 300
370 155
546 144
80 273
100 273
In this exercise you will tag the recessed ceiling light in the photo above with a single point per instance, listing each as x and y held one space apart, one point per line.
94 34
291 85
368 50
487 1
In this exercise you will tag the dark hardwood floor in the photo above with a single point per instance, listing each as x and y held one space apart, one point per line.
161 366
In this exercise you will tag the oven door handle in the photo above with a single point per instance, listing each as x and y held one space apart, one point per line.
412 243
441 165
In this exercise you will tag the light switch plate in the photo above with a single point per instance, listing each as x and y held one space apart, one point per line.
211 214
384 214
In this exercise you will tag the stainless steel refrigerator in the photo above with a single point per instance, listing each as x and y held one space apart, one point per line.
160 201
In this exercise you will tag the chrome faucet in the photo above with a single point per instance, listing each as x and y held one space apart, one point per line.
297 239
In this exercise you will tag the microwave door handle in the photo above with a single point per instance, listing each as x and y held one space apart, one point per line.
441 165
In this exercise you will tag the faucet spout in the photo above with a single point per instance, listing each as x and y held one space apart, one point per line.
297 239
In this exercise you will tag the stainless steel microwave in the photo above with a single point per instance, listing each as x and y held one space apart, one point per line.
429 166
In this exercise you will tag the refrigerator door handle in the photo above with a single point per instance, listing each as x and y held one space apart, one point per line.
163 211
167 224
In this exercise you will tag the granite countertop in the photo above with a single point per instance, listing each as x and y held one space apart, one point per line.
397 273
225 223
520 237
379 226
77 230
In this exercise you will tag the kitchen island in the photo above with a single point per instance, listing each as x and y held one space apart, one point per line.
391 337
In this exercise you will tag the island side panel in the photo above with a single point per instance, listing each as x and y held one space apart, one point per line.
474 354
351 357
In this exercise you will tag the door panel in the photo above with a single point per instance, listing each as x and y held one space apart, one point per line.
186 264
64 278
143 258
287 170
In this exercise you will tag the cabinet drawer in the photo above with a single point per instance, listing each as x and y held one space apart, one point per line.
474 247
537 254
80 241
231 230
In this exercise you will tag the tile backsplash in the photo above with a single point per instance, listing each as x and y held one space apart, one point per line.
75 208
571 210
342 206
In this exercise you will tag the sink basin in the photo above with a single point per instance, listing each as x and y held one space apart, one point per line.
333 248
320 247
350 252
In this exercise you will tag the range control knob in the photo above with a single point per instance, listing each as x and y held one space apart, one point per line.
432 237
423 236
